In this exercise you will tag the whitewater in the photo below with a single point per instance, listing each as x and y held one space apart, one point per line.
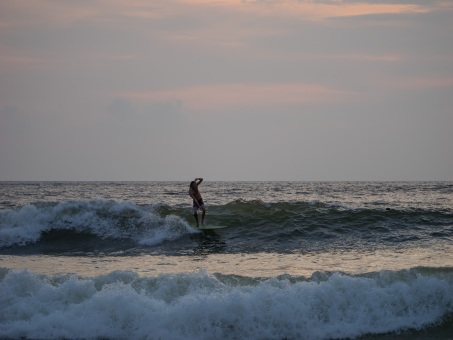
298 260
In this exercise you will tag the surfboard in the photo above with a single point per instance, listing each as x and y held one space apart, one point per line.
211 227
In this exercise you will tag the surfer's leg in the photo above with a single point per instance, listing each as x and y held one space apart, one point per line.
196 219
203 209
195 213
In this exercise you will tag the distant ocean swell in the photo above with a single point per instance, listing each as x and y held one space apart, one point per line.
198 305
264 222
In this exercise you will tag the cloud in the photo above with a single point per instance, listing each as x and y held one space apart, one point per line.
65 12
321 9
13 61
212 97
117 77
122 109
20 13
417 83
126 110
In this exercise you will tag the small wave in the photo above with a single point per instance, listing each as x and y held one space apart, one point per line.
315 215
253 225
202 306
104 219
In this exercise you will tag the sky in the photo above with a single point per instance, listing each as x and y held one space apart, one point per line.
234 90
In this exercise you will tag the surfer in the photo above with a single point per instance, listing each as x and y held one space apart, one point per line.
197 200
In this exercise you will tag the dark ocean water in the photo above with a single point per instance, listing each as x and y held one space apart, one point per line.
345 229
131 218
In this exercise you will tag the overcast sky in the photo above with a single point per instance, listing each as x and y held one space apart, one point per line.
226 90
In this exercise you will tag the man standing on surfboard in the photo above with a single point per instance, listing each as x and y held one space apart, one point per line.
197 200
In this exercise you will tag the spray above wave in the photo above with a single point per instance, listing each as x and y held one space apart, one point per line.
201 306
100 218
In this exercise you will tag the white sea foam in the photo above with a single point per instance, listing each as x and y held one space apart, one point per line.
172 227
101 218
202 306
23 226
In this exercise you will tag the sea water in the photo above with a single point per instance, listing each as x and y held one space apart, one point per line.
299 260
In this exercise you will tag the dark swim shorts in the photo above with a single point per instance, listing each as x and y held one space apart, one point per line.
195 206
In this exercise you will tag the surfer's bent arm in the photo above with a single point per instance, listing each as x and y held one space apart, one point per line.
198 180
193 197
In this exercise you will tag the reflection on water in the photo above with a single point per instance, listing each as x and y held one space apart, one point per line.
209 242
209 256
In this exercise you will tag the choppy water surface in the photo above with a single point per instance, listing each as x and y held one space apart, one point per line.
298 260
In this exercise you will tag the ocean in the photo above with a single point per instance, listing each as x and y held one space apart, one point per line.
298 260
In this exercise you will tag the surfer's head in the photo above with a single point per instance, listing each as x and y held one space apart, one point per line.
192 185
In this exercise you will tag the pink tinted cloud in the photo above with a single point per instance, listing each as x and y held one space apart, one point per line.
318 9
224 96
24 12
420 83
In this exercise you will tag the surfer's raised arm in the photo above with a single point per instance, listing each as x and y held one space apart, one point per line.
198 180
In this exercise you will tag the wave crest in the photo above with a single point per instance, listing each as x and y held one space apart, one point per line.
198 305
99 218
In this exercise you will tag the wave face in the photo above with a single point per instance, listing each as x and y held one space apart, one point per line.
109 226
122 305
91 221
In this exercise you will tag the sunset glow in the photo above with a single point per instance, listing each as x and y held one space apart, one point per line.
342 73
